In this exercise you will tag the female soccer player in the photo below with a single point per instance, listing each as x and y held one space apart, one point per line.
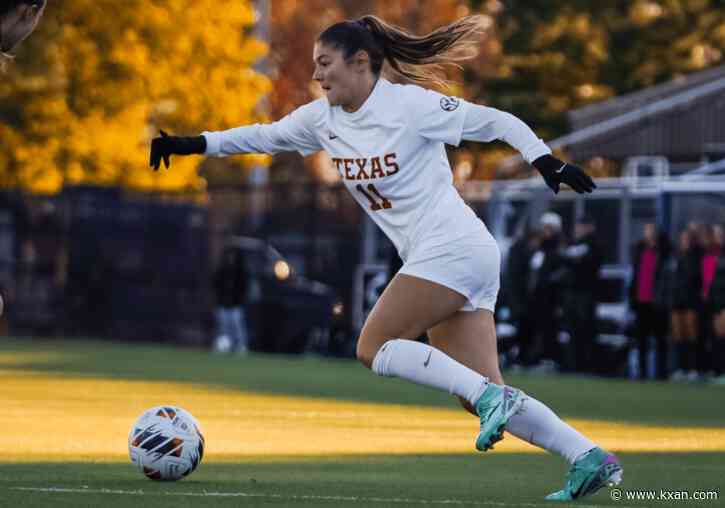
18 19
387 142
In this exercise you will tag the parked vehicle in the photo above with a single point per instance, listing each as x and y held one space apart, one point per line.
287 312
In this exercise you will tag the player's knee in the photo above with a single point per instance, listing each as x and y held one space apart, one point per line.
365 354
367 349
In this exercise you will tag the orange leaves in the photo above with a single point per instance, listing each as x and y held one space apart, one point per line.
101 77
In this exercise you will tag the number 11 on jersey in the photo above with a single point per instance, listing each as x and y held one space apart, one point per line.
374 204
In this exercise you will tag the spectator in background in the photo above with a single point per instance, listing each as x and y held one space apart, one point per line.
717 307
547 271
697 232
685 298
583 259
712 244
230 285
395 263
649 258
515 286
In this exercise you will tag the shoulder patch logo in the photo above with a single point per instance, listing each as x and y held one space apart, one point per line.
449 103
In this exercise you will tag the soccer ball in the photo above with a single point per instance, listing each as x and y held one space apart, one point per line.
166 443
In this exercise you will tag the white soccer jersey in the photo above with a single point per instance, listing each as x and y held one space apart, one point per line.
390 154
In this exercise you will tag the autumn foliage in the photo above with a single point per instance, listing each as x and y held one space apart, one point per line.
100 77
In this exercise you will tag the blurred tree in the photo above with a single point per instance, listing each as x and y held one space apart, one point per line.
102 76
556 55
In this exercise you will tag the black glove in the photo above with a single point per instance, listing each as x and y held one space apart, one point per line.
556 172
165 145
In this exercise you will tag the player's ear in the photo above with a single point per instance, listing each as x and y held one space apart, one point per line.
361 59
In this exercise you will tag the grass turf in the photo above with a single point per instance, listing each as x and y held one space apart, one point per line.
309 432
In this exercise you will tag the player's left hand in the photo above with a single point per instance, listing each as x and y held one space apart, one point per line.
556 172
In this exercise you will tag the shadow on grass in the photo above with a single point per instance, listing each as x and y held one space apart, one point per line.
569 396
415 480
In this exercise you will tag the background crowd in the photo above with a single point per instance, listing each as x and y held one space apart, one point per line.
676 321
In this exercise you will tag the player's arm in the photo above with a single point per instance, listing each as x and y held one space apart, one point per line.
486 124
292 133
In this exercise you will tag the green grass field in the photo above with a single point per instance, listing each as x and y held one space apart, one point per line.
285 431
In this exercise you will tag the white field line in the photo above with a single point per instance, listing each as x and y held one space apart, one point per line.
350 499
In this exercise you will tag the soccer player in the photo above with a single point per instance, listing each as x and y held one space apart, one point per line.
387 141
18 19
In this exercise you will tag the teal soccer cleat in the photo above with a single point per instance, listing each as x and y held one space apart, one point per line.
594 470
496 405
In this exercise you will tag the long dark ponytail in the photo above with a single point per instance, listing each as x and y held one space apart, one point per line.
418 58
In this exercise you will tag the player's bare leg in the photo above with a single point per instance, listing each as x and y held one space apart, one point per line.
470 338
408 307
453 337
405 310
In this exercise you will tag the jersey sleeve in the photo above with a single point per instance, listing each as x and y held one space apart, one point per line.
486 124
294 132
436 117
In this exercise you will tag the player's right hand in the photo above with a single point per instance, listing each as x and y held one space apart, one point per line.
164 146
161 148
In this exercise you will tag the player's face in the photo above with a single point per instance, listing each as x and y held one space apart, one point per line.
338 78
18 24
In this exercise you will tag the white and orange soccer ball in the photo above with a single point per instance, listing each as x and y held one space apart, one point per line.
166 443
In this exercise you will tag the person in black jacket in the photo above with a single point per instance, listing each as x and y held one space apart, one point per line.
518 296
717 308
583 259
230 285
713 245
546 273
651 319
685 303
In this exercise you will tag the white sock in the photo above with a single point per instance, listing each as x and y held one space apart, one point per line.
540 426
428 366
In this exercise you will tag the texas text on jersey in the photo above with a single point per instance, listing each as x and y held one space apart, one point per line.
391 156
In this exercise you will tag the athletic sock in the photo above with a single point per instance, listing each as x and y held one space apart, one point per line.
428 366
539 425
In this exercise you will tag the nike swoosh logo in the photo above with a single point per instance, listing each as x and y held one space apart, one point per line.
427 360
332 136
